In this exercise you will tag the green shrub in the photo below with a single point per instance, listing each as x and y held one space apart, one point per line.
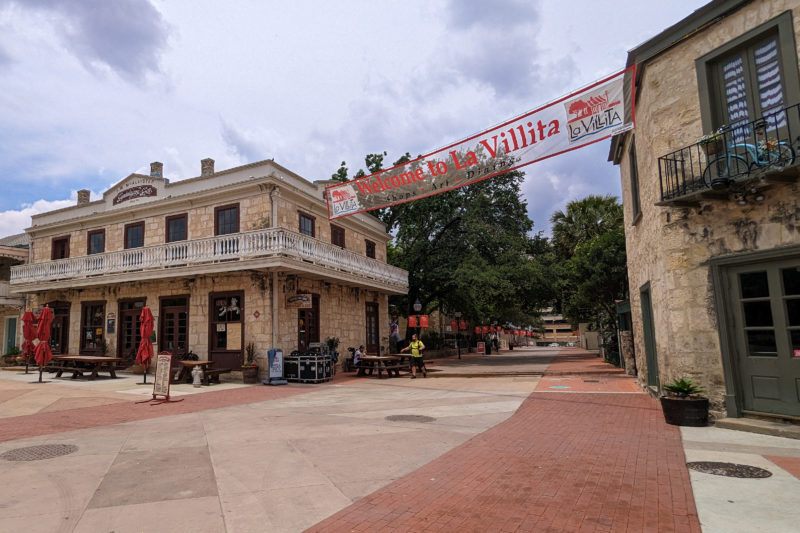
682 388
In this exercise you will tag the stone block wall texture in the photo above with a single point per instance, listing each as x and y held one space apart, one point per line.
342 308
670 246
254 213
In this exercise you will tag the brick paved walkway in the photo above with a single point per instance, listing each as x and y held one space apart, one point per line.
572 461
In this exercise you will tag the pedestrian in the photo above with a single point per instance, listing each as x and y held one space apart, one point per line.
358 354
416 346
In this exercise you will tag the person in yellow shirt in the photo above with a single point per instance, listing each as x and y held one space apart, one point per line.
416 346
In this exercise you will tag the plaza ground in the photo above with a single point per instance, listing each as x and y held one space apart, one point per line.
531 440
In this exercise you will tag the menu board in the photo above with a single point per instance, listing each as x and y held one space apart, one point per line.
162 377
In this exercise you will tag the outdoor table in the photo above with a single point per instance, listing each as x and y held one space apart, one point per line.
380 363
187 367
95 363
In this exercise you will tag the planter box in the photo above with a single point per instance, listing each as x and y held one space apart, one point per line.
250 375
716 147
685 411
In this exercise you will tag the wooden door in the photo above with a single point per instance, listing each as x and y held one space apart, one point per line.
372 334
764 300
129 333
226 329
173 335
308 325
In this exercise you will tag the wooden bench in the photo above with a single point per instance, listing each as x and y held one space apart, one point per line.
212 374
60 369
390 367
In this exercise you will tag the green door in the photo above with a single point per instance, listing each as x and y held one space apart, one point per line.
11 333
764 300
649 336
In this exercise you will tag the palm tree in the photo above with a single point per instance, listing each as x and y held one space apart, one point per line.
583 221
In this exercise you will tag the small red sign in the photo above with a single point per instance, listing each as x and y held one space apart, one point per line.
462 325
423 321
485 329
412 321
256 314
477 330
796 353
453 325
482 348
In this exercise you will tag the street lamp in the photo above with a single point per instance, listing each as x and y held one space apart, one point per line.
458 331
417 309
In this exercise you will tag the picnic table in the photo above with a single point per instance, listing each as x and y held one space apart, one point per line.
209 374
369 363
81 364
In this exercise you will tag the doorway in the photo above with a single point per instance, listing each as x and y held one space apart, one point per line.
651 358
372 331
762 305
173 325
226 329
59 329
130 334
308 325
11 334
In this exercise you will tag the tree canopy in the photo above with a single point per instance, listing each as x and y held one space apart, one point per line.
467 250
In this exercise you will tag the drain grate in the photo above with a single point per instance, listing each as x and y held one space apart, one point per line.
37 453
729 469
410 418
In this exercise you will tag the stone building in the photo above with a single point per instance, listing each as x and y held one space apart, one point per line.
713 224
223 259
13 251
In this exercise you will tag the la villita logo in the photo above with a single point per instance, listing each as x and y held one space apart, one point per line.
344 200
592 114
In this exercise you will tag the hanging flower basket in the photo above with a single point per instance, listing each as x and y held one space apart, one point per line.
713 147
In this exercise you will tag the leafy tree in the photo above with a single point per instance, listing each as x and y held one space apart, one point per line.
590 263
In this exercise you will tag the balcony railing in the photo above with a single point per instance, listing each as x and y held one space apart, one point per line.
224 248
742 150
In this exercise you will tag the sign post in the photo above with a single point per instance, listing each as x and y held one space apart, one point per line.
162 380
275 360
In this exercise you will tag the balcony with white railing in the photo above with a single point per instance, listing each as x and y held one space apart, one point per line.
267 248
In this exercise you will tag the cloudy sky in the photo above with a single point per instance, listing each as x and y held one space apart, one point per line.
93 90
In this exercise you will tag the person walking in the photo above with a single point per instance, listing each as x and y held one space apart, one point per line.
416 346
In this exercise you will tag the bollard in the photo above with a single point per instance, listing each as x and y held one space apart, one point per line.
197 376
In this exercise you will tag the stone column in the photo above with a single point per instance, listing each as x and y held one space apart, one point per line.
628 354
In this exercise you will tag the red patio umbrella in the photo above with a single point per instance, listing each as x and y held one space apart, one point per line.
43 353
28 334
145 352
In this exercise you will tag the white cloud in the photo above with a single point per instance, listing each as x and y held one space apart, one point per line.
16 221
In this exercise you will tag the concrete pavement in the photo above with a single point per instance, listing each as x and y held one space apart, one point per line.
579 448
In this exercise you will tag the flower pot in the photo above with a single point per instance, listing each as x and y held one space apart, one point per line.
713 147
685 411
250 374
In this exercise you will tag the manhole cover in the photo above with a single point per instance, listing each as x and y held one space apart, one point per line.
729 469
35 453
409 418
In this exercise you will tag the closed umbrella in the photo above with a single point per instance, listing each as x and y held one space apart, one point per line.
28 334
145 352
43 353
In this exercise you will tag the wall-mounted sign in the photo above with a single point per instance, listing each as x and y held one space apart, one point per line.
299 301
138 191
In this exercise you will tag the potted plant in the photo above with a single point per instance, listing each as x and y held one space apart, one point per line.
683 405
250 367
714 142
333 343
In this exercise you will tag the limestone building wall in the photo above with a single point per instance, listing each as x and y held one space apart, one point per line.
669 247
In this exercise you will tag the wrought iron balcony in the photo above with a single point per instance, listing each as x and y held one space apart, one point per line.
268 248
760 149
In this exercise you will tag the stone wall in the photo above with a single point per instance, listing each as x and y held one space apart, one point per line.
669 247
342 308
